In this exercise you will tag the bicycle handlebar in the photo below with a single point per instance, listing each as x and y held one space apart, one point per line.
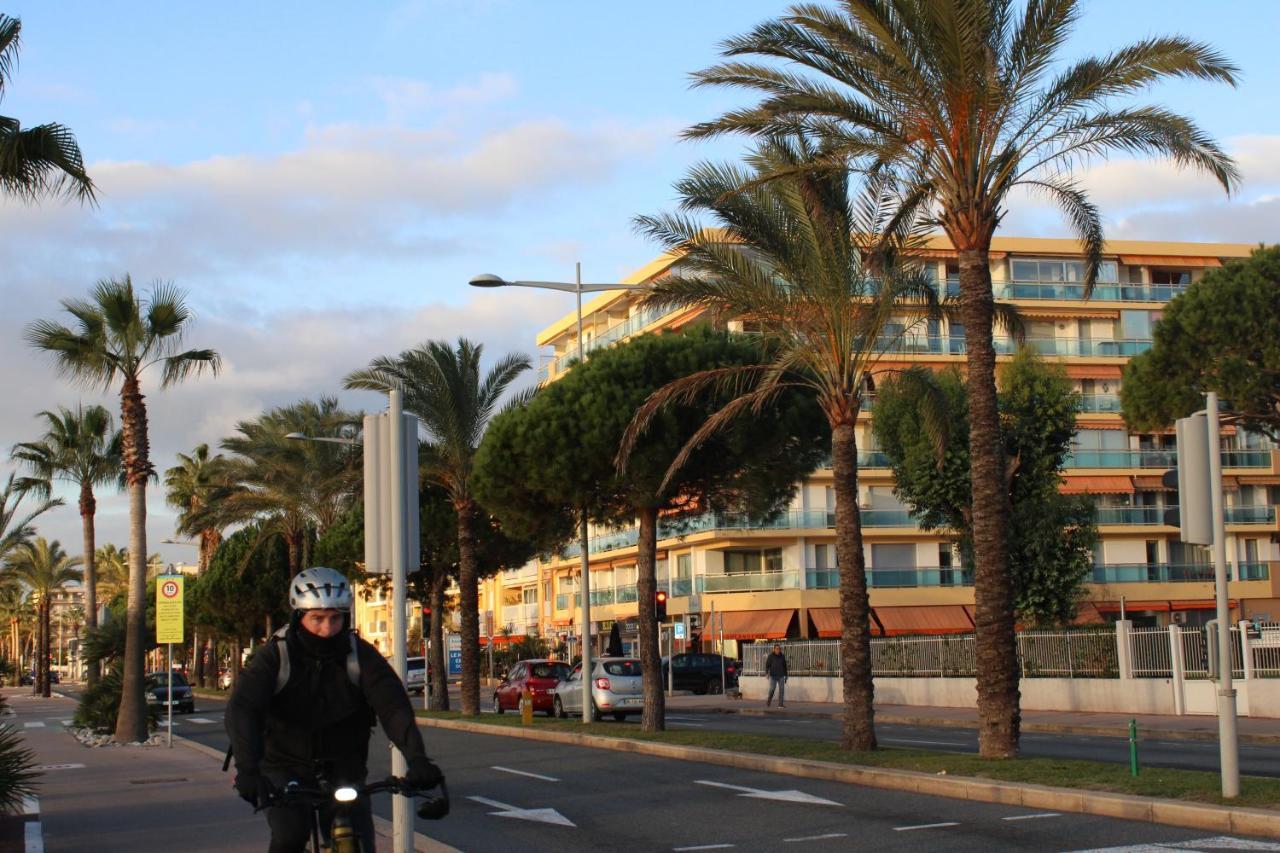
432 807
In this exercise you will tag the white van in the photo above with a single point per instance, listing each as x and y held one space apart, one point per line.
416 676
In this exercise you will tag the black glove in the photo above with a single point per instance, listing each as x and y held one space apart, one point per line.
253 789
423 774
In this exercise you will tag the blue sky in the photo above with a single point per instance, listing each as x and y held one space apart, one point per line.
323 178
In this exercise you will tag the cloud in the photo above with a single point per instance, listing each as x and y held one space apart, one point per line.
407 98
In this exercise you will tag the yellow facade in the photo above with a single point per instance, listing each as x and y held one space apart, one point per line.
783 579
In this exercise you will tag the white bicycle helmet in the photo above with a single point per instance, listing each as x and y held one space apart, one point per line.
320 588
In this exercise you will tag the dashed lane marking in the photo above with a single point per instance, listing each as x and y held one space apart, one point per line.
200 720
31 805
1032 816
927 742
46 767
925 826
34 724
817 837
32 837
705 847
525 773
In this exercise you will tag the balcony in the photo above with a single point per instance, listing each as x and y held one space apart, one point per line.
1173 572
562 600
677 588
1099 403
1071 290
925 576
1155 514
613 334
954 345
755 582
1160 459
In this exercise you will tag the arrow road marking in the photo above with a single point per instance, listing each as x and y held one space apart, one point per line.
536 815
525 773
758 794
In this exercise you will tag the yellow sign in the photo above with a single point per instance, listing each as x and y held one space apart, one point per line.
169 609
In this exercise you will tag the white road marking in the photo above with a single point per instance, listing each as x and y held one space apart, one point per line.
164 724
32 837
525 773
705 847
927 742
758 794
35 724
201 720
683 723
925 826
537 815
67 722
817 837
683 719
1032 816
31 805
1220 842
46 767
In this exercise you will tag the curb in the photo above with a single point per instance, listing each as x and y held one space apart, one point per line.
1040 728
382 826
1257 822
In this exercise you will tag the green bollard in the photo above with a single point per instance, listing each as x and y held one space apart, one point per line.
1133 747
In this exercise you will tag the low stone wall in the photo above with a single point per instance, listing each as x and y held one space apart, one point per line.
1256 697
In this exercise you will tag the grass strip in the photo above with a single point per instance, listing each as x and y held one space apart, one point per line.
1201 786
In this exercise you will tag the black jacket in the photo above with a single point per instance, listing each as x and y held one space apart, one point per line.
775 665
319 715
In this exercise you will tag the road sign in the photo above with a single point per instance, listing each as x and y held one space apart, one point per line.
454 647
169 609
679 627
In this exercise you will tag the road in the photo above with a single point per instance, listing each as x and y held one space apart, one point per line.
516 794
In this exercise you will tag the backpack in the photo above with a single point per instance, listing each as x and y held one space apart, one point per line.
282 675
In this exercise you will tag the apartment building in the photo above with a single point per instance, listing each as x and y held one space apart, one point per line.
780 580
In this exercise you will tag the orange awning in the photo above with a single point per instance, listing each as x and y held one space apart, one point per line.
1151 484
1087 614
932 619
1132 606
502 640
757 624
1200 604
827 622
1169 261
1102 485
1093 371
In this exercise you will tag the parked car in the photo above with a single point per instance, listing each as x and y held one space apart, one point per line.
415 680
157 690
29 677
700 672
616 688
539 676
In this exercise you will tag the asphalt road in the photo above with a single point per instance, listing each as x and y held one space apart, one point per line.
511 794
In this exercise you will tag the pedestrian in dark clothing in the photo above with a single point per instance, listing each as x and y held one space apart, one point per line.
775 666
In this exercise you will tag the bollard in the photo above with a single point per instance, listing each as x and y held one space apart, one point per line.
1133 747
526 708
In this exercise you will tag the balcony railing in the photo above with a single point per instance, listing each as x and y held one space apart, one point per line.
927 576
562 600
1172 572
1155 514
1103 291
602 596
678 587
755 582
955 345
1160 459
1094 403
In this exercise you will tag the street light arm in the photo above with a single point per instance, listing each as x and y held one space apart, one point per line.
297 436
563 286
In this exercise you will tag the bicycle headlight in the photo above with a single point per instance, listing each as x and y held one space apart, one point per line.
346 794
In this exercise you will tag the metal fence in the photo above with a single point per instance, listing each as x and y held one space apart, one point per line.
1266 651
1149 653
1068 654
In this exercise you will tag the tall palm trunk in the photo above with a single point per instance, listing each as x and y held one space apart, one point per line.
469 595
858 728
46 653
88 508
654 717
131 723
997 662
439 680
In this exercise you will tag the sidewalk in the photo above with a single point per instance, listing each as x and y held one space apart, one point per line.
136 798
1257 730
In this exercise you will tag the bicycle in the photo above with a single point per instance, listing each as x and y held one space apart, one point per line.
340 798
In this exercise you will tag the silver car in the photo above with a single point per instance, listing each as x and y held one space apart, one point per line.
616 688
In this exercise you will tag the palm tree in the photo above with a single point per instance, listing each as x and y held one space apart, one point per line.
790 256
14 528
44 567
444 387
112 567
955 103
117 337
42 160
80 447
290 488
13 612
190 485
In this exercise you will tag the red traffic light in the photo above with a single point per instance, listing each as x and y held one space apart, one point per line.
660 605
662 595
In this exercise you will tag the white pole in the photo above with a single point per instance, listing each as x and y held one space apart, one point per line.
1228 745
401 815
170 696
671 661
585 557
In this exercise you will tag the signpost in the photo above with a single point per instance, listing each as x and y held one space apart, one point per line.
169 627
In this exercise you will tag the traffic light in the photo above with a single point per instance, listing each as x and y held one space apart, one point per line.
660 606
1194 513
426 613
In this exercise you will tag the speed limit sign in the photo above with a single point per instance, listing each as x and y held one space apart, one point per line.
169 627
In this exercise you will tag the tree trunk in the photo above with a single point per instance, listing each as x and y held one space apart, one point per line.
42 647
131 724
469 604
858 726
654 717
436 664
997 662
88 506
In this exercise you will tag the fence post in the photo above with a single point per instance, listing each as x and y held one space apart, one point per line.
1124 648
1246 649
1177 670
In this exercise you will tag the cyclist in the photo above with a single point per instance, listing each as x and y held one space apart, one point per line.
308 699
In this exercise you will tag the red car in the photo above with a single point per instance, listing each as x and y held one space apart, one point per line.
539 676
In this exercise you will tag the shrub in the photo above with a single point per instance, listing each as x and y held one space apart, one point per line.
17 776
100 704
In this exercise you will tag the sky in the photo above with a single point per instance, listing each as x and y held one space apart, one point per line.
322 179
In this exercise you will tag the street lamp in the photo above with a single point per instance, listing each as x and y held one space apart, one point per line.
302 436
577 288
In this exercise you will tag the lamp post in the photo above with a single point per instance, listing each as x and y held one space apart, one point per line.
577 288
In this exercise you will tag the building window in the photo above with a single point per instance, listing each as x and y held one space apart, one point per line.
1176 277
752 562
1060 271
822 557
896 556
684 566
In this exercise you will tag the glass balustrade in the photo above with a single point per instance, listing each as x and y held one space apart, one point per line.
1159 459
756 582
1172 572
1095 403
